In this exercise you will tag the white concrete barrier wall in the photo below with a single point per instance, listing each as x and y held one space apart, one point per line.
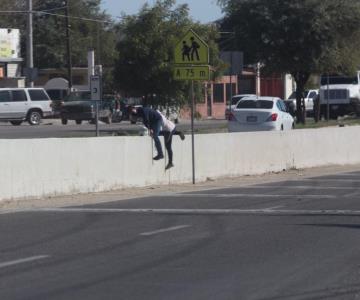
34 168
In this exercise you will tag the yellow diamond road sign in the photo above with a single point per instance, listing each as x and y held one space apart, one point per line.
191 50
192 73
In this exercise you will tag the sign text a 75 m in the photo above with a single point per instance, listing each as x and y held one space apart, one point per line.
192 73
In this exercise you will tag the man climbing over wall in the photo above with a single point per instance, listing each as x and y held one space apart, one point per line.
158 125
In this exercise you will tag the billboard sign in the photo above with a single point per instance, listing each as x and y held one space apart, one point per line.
9 43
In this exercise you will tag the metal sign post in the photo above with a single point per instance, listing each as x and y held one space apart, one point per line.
327 100
95 88
192 131
97 133
191 63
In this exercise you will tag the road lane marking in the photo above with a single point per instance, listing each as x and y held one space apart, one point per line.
164 230
22 260
329 179
357 174
274 207
300 187
185 211
252 195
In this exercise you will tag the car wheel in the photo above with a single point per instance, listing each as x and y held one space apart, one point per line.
64 121
78 122
16 123
34 117
282 127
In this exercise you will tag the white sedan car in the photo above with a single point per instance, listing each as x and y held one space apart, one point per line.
234 100
260 114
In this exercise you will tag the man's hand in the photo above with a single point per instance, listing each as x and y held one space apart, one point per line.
151 132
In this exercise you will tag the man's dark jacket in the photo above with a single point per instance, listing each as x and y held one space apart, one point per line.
150 116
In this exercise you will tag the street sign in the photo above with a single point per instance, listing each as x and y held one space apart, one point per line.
235 60
192 73
191 50
191 59
95 87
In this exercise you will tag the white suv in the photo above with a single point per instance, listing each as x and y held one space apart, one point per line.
309 97
24 104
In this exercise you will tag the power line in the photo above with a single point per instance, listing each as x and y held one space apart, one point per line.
52 14
52 9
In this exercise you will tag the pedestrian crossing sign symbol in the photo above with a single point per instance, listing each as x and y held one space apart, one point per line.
191 50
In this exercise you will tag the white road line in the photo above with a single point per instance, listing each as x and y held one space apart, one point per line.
22 260
330 179
300 187
346 174
164 230
274 207
253 195
203 211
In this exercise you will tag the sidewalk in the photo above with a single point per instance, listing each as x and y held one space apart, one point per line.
130 193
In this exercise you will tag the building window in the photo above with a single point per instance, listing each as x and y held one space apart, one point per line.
229 93
247 85
201 95
78 79
218 93
208 93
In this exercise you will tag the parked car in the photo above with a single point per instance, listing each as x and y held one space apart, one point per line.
78 106
24 104
309 97
234 100
259 114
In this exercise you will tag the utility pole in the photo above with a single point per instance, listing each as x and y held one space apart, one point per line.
68 45
29 45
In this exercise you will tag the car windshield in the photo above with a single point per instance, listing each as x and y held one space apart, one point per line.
338 80
236 99
256 104
78 96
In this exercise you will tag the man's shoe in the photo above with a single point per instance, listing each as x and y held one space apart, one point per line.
182 136
159 156
168 166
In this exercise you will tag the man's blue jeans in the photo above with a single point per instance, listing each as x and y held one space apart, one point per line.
156 130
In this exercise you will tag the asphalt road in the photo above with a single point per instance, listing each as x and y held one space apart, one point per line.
53 128
296 239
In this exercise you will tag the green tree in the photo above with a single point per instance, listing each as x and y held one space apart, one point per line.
299 37
90 28
12 19
144 64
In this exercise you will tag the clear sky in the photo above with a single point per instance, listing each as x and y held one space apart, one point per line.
200 10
